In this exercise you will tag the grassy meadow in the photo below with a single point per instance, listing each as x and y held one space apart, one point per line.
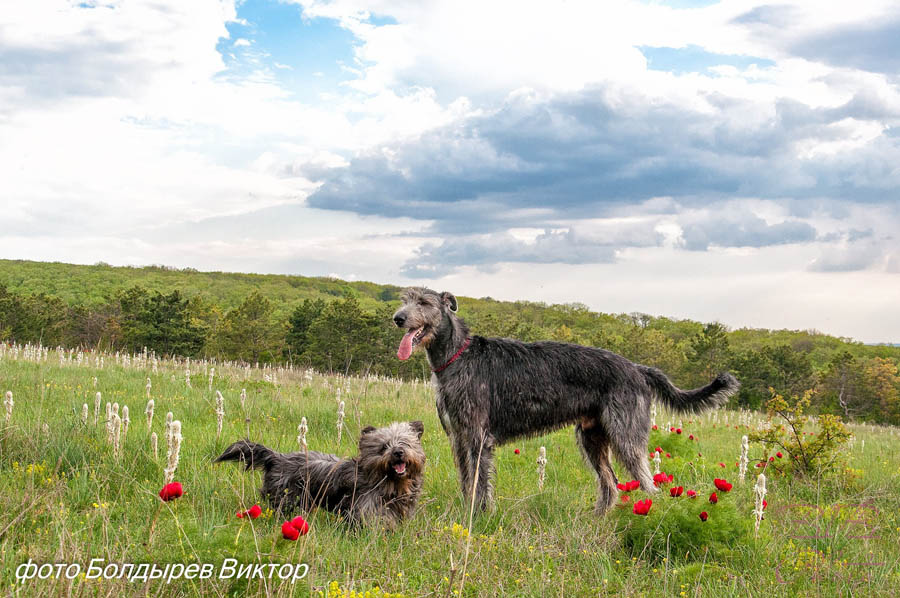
65 498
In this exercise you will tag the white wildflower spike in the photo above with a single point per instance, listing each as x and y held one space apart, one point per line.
95 383
760 491
212 374
174 449
116 426
109 422
126 421
45 428
149 413
115 409
187 378
154 446
302 429
149 387
8 403
652 412
742 464
340 420
656 461
168 431
220 412
84 414
97 401
541 466
243 397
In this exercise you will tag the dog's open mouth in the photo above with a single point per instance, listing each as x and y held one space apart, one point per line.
400 468
409 341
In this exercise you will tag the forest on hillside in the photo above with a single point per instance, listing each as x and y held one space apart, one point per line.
346 327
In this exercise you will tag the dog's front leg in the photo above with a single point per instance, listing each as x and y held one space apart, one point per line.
478 455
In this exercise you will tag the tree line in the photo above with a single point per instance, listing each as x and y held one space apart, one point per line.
340 335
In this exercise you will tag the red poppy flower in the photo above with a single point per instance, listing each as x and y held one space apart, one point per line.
659 450
621 487
713 498
771 459
171 491
678 430
722 485
765 504
625 498
704 516
301 525
253 512
721 464
671 429
632 485
691 437
668 455
692 493
655 427
289 532
676 490
699 454
642 507
779 455
516 451
662 478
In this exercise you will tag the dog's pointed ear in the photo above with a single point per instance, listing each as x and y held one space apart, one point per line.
450 301
367 430
418 427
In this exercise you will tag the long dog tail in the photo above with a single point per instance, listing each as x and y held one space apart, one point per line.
253 455
715 394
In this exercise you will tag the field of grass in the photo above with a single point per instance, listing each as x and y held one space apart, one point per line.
65 498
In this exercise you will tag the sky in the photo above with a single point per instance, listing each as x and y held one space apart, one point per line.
729 161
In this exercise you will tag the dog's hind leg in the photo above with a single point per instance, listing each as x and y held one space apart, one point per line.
594 443
629 437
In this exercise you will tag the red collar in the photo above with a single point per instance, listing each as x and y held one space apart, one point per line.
454 358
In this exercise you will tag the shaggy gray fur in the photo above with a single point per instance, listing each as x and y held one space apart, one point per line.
501 389
382 483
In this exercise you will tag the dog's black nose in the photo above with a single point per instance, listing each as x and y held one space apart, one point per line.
398 454
399 319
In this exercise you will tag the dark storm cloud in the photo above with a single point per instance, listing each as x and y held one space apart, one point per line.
436 260
749 231
871 46
577 153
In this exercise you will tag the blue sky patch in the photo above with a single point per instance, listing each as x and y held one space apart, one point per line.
694 59
304 55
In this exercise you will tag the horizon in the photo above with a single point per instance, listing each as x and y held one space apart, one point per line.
729 161
728 325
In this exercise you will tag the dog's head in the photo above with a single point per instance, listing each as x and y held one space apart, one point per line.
423 313
394 451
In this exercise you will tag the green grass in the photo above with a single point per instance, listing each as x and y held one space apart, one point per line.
65 499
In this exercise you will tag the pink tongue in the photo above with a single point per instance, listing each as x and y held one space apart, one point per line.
405 349
400 467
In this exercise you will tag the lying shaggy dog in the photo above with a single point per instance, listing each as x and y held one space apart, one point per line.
382 483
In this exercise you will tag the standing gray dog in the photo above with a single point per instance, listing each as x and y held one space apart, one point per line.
493 390
383 482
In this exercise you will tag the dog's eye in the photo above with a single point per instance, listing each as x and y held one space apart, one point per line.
383 448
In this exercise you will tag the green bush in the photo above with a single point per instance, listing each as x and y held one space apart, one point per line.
819 454
673 528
